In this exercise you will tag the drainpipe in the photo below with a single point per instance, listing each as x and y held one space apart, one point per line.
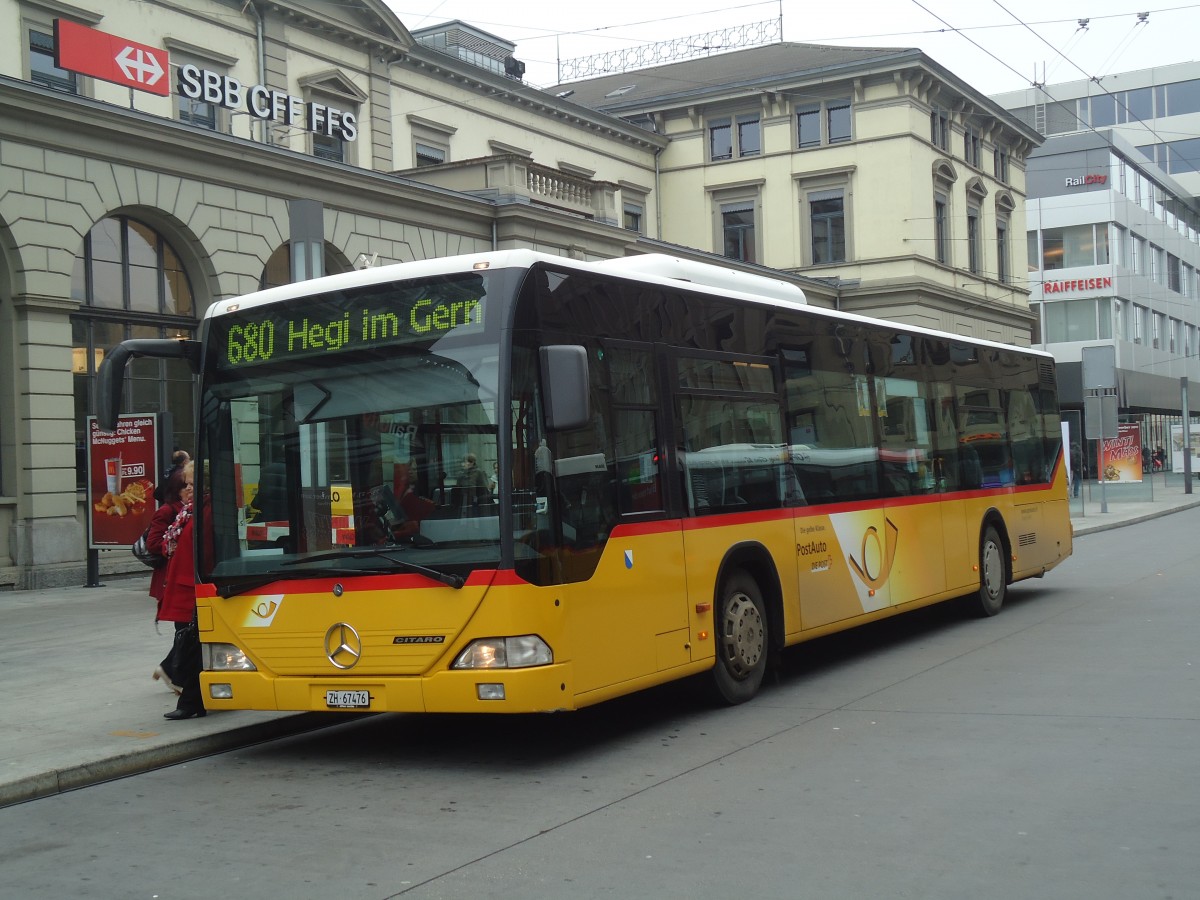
260 40
657 195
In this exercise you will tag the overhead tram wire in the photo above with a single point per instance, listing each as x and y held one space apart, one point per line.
1041 87
1143 18
1126 43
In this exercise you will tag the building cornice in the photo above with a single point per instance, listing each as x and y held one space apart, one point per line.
396 39
100 131
518 93
69 10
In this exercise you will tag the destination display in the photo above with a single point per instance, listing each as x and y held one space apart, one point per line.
337 323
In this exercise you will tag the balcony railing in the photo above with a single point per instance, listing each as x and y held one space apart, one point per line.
513 178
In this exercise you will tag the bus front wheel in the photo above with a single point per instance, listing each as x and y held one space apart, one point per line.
993 580
740 626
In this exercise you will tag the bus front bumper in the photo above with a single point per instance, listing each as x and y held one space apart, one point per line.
538 689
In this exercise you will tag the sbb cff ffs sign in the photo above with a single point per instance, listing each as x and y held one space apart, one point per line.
109 57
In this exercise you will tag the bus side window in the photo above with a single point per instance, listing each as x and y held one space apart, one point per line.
634 392
831 435
946 464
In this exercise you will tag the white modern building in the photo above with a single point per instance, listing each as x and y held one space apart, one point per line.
1156 110
1114 235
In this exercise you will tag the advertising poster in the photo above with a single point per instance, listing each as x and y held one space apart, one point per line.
1123 454
121 474
1177 448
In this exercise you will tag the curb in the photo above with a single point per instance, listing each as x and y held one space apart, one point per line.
1108 526
58 781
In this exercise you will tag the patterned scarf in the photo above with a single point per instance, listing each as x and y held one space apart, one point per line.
171 535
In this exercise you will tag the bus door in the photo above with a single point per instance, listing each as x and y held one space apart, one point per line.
956 469
913 545
622 557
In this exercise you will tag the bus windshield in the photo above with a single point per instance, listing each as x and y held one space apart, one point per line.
336 450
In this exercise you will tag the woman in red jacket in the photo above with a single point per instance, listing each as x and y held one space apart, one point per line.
170 490
178 604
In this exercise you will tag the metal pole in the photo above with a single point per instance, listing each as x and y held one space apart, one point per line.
1187 436
1100 465
93 569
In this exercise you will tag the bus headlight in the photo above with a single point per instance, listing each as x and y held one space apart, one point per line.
225 658
519 652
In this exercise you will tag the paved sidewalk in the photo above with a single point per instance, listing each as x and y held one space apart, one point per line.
78 705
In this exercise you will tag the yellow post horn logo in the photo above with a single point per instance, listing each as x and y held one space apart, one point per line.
891 538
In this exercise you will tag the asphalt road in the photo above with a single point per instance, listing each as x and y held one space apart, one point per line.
1049 752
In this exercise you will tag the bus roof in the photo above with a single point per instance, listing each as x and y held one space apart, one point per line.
654 268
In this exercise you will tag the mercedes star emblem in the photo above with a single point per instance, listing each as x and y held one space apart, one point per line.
343 646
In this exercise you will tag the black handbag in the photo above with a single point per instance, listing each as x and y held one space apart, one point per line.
142 552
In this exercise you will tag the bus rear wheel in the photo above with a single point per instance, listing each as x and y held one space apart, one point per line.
740 626
993 577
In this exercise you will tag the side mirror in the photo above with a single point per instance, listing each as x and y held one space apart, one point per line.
564 369
110 379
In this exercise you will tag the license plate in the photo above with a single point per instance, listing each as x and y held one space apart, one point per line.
348 699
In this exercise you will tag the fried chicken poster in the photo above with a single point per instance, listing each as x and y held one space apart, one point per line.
121 476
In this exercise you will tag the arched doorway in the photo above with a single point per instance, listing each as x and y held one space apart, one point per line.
130 283
278 269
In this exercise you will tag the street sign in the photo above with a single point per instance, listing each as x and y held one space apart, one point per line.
1100 417
108 57
1100 368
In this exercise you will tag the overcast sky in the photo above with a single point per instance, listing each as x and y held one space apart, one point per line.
994 45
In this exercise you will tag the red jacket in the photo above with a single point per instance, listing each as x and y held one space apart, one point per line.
163 517
178 602
179 588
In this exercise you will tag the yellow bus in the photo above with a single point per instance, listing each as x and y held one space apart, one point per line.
512 482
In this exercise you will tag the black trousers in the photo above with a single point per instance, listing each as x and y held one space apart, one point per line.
183 668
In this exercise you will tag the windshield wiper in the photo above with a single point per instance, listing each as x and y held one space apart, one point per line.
454 581
244 587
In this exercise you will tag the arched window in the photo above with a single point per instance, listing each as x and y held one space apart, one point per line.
976 192
130 283
944 177
1005 206
278 269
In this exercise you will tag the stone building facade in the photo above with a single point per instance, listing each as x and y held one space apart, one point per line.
245 144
